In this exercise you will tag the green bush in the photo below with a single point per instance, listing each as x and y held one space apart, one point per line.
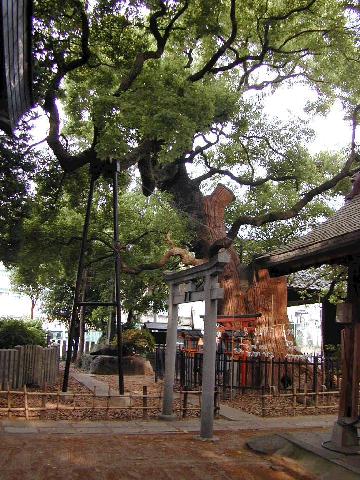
333 351
20 332
136 341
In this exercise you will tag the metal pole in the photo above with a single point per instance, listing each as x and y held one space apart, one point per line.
117 275
78 283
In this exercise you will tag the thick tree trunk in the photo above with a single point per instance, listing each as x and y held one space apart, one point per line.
244 295
231 280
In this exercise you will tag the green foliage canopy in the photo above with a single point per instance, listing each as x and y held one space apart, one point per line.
137 341
176 90
15 332
166 85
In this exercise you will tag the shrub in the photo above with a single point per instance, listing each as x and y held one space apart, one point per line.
20 332
136 341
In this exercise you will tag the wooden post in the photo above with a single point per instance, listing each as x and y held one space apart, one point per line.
294 401
145 402
63 350
26 403
355 370
8 401
108 401
185 402
344 436
12 376
5 367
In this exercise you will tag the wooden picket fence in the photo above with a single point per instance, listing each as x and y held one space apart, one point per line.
35 403
28 365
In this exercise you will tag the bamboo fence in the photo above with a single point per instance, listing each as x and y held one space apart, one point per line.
28 365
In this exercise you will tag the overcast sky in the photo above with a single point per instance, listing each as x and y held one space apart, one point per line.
332 132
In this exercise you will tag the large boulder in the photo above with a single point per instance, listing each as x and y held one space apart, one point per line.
86 361
132 365
137 365
104 365
103 350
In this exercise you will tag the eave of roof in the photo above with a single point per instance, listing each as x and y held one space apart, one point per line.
333 241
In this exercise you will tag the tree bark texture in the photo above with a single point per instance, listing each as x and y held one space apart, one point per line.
244 295
214 211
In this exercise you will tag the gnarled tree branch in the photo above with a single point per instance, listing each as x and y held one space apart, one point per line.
186 257
67 161
241 180
293 210
161 41
220 52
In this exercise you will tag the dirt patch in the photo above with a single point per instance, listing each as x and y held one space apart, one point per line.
251 401
136 457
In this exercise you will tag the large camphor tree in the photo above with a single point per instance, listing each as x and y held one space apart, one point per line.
173 90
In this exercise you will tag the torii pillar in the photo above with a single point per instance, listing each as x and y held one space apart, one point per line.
193 285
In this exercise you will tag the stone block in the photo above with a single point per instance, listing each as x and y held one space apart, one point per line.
345 435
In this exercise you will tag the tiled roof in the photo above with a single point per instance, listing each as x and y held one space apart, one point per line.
346 220
156 325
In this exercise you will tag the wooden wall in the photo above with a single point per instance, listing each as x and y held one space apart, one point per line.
28 365
15 58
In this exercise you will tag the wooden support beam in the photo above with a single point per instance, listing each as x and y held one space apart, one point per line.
213 267
216 293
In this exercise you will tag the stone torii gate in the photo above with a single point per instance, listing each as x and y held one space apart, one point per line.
192 285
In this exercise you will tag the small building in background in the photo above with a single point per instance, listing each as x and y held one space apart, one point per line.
305 322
